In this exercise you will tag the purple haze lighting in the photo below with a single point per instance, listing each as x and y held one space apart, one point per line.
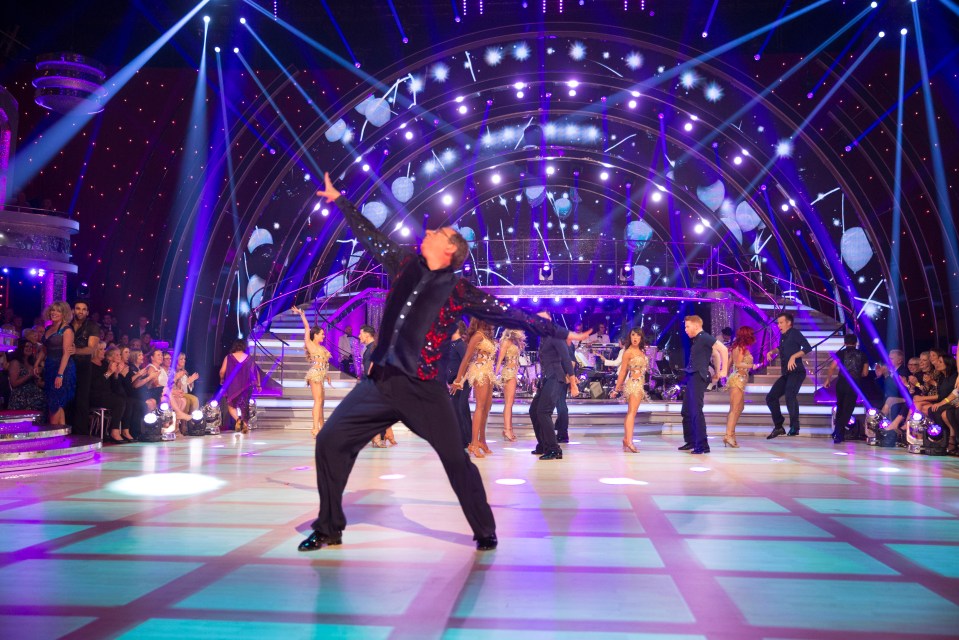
757 57
810 95
406 40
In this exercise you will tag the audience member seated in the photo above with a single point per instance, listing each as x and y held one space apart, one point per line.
26 393
943 410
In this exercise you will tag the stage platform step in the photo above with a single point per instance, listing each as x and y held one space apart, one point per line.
27 444
20 455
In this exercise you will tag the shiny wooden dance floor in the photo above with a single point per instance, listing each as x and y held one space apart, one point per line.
792 538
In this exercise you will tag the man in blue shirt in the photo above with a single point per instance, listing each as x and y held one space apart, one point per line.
792 347
703 348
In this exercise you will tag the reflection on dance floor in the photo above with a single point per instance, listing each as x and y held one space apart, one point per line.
197 538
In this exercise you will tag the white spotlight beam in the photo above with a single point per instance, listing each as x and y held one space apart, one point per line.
34 157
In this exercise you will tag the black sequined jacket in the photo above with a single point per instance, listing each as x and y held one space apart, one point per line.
422 306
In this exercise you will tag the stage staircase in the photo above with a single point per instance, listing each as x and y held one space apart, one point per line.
292 409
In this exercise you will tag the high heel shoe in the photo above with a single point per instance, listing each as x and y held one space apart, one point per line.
509 435
392 441
475 450
730 441
628 446
485 448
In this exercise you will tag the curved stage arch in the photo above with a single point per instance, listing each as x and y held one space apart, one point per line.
801 216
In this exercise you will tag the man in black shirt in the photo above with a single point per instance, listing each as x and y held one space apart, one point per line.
853 367
792 347
556 375
86 337
703 348
407 380
367 339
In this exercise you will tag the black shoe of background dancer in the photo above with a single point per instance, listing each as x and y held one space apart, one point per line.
552 455
686 447
776 432
538 451
697 452
793 432
487 543
562 440
315 541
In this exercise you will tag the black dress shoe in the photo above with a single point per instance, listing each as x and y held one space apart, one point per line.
538 451
487 543
315 541
562 440
698 451
838 440
776 432
686 447
552 455
793 432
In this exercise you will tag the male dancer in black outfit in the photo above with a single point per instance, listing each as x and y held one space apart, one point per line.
556 375
406 383
702 349
792 347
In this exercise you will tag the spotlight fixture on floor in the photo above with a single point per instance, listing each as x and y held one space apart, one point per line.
150 430
196 426
915 432
873 418
167 423
885 436
934 440
212 418
251 414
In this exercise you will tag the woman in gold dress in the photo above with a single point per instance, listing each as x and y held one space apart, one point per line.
631 381
742 360
319 357
477 369
511 345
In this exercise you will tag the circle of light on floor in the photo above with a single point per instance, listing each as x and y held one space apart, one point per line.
166 484
511 481
699 469
392 476
889 469
622 481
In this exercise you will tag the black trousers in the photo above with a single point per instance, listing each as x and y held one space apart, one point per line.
846 396
562 417
373 405
787 385
694 421
461 406
81 401
541 413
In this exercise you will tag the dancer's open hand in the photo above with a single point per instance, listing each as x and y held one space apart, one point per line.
328 191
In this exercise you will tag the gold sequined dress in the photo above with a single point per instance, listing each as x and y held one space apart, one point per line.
738 380
636 377
319 366
480 370
510 363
